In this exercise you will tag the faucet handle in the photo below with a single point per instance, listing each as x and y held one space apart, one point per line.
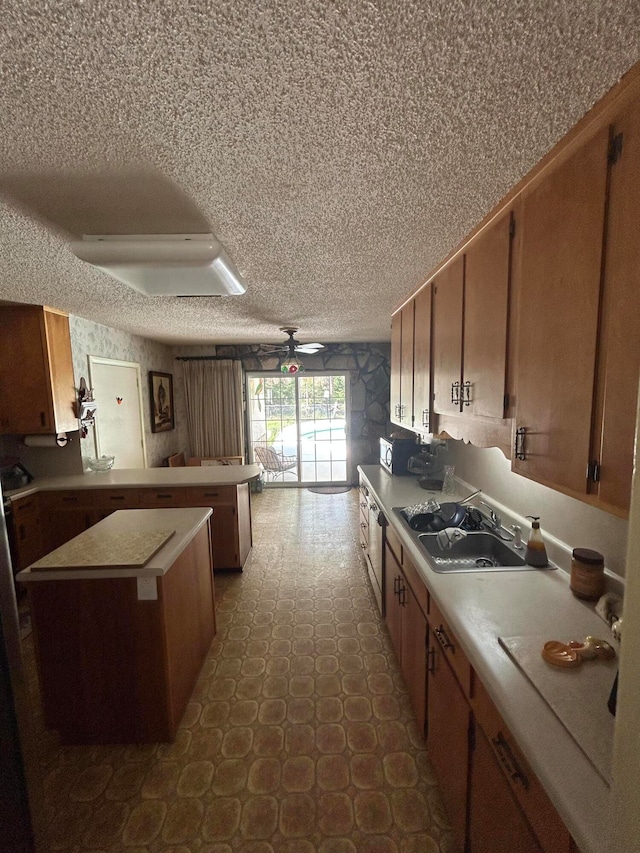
493 515
517 535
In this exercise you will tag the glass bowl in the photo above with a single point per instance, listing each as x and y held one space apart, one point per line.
102 463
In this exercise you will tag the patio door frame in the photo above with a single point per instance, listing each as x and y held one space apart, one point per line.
274 374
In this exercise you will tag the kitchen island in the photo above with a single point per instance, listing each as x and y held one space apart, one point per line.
479 608
123 617
59 508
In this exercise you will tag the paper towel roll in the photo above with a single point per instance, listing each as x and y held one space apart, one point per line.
46 440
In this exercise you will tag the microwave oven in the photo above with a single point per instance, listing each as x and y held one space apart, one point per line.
395 454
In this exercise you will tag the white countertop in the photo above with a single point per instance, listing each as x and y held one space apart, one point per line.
480 607
127 478
184 523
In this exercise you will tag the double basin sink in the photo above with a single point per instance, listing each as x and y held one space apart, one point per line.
478 551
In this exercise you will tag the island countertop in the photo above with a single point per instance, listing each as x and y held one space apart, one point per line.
132 524
129 478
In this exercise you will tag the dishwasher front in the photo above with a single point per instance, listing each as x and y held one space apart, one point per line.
374 553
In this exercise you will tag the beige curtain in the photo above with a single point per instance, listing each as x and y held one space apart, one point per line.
213 396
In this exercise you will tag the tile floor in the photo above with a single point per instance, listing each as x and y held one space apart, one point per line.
299 737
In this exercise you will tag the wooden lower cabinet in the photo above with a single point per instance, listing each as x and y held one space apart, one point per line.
496 822
392 612
117 669
448 721
414 654
230 525
494 800
407 626
65 514
546 824
24 532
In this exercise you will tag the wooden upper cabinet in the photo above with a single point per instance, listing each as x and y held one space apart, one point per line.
470 326
401 408
486 315
422 361
396 356
558 301
619 361
36 371
406 366
448 300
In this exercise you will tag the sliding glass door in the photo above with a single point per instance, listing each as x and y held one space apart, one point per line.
297 427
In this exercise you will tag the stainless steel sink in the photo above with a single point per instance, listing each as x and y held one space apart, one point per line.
477 552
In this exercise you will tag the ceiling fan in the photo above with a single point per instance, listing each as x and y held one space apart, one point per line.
291 346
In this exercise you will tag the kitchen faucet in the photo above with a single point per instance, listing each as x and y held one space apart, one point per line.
493 521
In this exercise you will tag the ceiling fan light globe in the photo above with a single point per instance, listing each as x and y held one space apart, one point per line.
291 367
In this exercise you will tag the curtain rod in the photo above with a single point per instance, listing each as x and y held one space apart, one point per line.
208 358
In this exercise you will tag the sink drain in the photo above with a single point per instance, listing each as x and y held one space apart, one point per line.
486 562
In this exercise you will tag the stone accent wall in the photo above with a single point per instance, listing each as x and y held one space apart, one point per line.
369 367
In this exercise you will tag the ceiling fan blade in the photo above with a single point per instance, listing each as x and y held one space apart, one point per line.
309 348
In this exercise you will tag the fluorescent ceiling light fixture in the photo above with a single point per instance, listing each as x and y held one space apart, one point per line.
163 264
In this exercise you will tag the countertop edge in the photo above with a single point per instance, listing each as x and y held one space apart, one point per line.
141 478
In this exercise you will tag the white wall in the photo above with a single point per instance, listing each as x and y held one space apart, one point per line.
575 523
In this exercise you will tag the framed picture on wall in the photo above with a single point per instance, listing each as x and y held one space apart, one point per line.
161 390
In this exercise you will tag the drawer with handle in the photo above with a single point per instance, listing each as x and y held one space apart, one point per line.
64 498
210 495
552 834
162 497
450 646
117 498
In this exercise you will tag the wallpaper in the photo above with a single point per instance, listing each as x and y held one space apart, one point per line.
89 338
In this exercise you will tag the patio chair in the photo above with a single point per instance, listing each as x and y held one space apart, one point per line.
274 463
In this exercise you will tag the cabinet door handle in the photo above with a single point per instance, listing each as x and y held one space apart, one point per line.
70 500
23 533
402 598
116 497
455 393
466 393
164 497
425 418
443 638
43 419
519 448
509 761
212 494
431 661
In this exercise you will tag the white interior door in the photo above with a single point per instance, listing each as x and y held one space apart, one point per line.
119 428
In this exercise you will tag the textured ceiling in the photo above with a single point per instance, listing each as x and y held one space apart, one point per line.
338 149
